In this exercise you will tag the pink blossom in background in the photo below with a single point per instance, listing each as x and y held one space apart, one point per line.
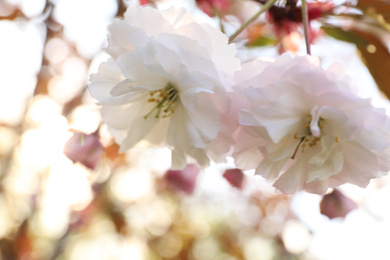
336 204
85 149
286 19
235 177
214 7
183 180
144 2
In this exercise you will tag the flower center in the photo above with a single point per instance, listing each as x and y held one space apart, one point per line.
306 136
165 100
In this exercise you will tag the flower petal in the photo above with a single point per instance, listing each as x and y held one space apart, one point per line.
294 178
136 134
132 66
149 19
108 75
327 164
202 124
124 38
360 165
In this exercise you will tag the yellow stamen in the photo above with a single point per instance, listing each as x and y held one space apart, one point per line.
308 139
166 99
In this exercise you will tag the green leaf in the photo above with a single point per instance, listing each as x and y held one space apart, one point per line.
262 41
346 36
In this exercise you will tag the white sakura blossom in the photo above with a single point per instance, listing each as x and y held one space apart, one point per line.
306 127
165 83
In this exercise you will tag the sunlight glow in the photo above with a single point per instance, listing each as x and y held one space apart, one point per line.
258 249
70 82
131 185
84 27
296 237
21 54
56 50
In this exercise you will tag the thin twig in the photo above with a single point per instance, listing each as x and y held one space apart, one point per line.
265 7
306 26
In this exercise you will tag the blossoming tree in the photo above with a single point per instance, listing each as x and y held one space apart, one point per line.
193 134
173 82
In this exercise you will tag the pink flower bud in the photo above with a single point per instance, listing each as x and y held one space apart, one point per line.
183 180
83 148
336 204
235 177
288 18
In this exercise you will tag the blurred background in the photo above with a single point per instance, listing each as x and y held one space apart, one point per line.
66 192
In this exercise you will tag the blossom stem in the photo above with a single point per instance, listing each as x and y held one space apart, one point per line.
265 7
221 27
306 25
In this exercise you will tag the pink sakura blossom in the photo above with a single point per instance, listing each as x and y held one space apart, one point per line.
336 205
166 83
85 149
183 180
214 7
288 18
235 177
144 2
308 129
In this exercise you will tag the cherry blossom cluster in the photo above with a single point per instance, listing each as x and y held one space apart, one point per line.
173 82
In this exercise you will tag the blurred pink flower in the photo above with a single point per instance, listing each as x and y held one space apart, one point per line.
214 7
83 148
313 131
286 19
235 177
144 2
336 204
183 180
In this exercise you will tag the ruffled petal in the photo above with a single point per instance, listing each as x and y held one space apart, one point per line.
108 75
123 38
216 43
202 124
122 116
360 165
133 68
281 118
271 169
328 162
135 134
150 20
294 178
179 140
